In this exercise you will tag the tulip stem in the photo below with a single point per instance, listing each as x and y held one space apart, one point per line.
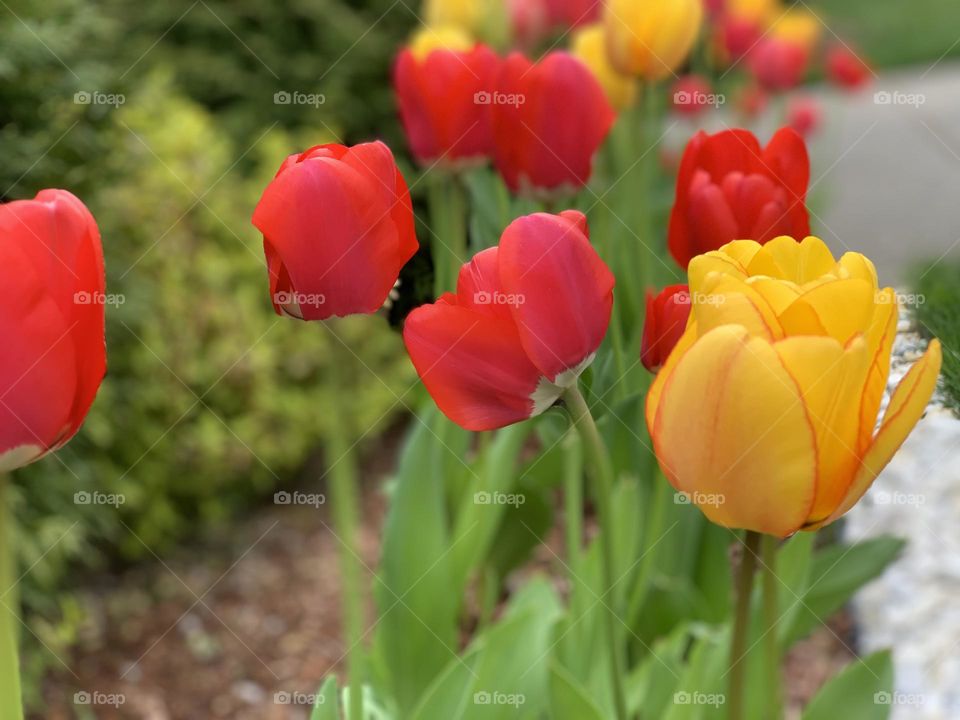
771 616
11 706
342 468
448 229
601 470
741 625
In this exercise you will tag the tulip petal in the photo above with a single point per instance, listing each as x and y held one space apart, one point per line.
729 421
38 378
842 308
786 157
689 337
472 364
880 338
907 406
728 300
830 377
564 290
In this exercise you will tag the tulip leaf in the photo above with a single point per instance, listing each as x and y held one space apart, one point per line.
862 691
505 669
568 700
418 625
325 703
836 573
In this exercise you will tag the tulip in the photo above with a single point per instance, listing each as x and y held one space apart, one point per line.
762 12
651 38
549 119
442 90
800 27
529 21
847 69
778 65
589 46
765 412
53 319
476 18
526 320
729 188
337 227
574 13
691 95
666 319
804 115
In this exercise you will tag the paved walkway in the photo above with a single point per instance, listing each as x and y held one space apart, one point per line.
886 169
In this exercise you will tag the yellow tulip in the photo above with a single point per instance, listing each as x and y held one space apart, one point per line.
765 412
651 38
762 12
428 39
486 19
798 26
589 45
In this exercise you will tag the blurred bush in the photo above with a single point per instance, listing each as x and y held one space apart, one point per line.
211 400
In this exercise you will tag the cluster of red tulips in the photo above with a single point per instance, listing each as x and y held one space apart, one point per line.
749 355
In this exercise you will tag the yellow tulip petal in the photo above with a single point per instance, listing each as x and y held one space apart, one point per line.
856 265
728 300
830 377
685 342
907 406
779 294
880 337
843 308
733 433
715 261
800 262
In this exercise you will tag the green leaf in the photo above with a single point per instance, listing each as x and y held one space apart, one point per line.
568 700
418 626
505 669
325 707
836 574
862 691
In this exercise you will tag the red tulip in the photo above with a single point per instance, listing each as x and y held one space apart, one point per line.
736 37
729 189
526 320
846 68
337 227
52 317
529 21
443 102
574 13
778 64
549 119
804 115
691 95
666 319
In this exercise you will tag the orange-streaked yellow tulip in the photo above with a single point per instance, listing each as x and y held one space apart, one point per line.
651 38
590 47
765 412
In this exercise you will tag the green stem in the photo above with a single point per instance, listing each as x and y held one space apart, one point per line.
11 705
573 511
346 514
771 616
741 626
602 472
448 228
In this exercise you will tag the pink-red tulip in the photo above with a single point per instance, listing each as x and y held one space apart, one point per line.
443 96
52 317
549 119
526 320
847 69
692 95
777 64
804 115
337 227
730 188
663 325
